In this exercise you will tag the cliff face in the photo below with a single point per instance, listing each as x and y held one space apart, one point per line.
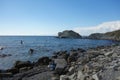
95 36
68 34
114 35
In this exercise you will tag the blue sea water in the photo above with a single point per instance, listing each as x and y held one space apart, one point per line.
43 46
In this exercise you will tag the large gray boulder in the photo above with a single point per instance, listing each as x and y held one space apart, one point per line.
68 34
60 65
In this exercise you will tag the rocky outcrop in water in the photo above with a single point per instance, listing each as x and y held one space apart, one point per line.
68 34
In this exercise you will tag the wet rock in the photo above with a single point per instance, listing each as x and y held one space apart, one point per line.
6 74
13 70
43 61
81 50
63 55
21 64
24 69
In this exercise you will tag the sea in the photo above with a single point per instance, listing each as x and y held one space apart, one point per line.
42 46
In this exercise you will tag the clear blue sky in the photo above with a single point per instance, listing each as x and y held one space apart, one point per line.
47 17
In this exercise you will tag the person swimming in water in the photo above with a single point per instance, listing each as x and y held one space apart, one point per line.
31 51
21 42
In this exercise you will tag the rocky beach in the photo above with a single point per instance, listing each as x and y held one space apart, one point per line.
100 63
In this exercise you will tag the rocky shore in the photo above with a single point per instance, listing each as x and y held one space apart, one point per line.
100 63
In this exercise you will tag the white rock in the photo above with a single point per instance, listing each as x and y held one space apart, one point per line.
63 77
80 75
95 77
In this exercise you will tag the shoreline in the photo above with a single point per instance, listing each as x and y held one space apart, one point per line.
77 59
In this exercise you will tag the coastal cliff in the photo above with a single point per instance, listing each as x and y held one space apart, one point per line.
114 35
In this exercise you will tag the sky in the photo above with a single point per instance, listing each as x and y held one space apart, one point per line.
48 17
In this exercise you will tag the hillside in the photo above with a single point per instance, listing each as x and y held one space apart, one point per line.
114 35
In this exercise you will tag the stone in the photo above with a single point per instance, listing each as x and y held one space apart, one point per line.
21 64
60 65
6 74
24 69
117 68
86 69
43 61
80 75
118 78
71 70
64 77
95 77
13 70
72 77
108 53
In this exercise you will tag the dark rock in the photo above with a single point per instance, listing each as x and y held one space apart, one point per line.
13 70
63 55
43 61
68 34
21 64
24 69
6 74
81 50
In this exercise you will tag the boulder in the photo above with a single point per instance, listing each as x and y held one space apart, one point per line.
43 61
24 69
68 34
95 77
71 70
60 65
21 64
64 77
118 78
13 70
80 75
62 55
6 74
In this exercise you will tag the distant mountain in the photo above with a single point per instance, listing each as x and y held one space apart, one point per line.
114 35
69 34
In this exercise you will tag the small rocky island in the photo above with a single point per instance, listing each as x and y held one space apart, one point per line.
69 34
